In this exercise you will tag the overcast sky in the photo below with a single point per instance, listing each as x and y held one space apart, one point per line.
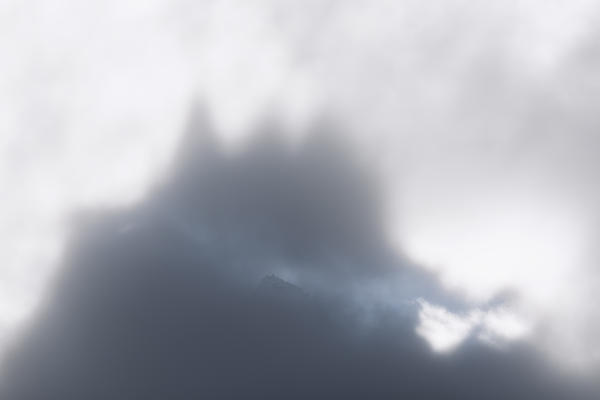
476 122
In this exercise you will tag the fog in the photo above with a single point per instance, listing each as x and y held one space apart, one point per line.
474 124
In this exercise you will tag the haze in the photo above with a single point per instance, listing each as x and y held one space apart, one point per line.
468 129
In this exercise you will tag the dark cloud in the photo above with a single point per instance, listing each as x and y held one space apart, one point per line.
180 296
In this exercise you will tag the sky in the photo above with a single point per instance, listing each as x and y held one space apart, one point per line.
474 121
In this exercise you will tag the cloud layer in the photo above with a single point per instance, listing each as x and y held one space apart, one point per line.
179 296
480 118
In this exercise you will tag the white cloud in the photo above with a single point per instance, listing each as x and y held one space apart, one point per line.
444 331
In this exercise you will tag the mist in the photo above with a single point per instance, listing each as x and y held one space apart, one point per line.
423 172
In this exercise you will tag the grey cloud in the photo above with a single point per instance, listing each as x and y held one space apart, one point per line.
174 298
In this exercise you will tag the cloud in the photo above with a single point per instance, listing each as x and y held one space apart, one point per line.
175 297
445 330
481 117
442 329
